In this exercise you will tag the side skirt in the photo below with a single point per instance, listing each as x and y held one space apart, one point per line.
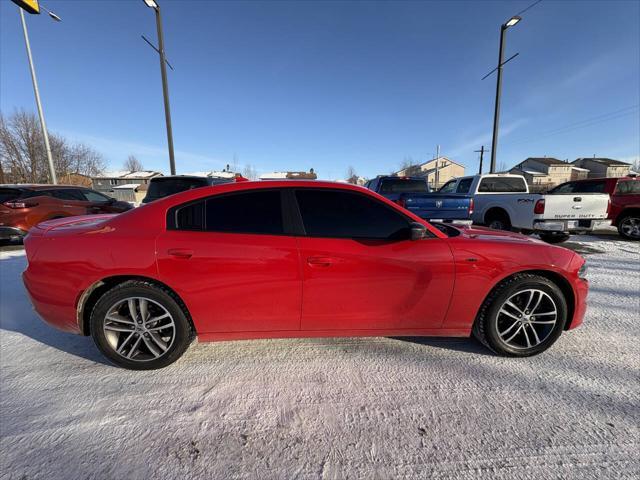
431 332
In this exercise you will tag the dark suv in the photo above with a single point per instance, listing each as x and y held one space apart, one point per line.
160 187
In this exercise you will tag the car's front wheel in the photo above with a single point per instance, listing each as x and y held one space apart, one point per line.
140 326
522 316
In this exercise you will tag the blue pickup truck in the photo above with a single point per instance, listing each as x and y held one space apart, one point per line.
414 194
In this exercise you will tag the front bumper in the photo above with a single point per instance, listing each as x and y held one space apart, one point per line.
570 225
581 290
11 233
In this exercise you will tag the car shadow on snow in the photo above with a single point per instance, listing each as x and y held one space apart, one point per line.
467 345
17 315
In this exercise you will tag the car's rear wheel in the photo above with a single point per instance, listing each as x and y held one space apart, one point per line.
140 326
522 316
629 227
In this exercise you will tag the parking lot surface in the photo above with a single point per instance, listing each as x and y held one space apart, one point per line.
330 408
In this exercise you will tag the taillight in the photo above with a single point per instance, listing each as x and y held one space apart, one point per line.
471 205
402 202
539 208
608 206
19 204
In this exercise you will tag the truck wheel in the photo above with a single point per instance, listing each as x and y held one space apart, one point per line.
555 237
629 227
498 221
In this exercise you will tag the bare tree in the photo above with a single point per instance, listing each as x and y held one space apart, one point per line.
250 172
409 165
352 176
133 164
22 153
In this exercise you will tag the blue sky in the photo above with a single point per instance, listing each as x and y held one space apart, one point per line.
294 85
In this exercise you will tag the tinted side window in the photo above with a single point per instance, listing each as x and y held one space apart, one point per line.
628 187
464 185
251 212
92 196
68 194
330 213
589 187
564 188
502 185
190 217
448 187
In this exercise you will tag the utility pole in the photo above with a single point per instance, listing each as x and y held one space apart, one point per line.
481 152
165 83
43 124
437 174
496 112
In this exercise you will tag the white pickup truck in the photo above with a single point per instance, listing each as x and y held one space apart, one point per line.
503 201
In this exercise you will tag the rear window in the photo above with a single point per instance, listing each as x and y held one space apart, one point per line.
464 185
163 187
628 187
7 194
502 185
403 185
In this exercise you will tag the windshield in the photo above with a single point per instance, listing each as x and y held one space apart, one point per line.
403 185
163 187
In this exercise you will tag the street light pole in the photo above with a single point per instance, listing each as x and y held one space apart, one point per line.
165 85
496 113
52 171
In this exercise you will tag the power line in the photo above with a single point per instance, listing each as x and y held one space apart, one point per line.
529 7
581 124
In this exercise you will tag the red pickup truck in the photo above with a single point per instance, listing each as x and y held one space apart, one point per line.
624 194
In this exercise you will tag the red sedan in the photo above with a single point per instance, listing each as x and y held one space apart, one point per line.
294 259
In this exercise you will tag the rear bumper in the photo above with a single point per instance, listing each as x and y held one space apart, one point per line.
50 308
453 221
7 233
570 225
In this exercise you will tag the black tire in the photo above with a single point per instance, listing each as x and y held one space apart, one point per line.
629 226
498 221
157 297
554 237
490 319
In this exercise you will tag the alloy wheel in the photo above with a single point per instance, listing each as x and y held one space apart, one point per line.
527 318
631 227
139 329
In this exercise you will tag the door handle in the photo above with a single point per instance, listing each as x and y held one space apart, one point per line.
180 252
320 261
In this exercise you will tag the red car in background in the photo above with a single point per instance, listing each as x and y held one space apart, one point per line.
23 206
624 192
294 259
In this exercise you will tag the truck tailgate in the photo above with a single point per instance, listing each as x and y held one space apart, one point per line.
575 206
438 206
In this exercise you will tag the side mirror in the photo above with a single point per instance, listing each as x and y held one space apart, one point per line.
418 231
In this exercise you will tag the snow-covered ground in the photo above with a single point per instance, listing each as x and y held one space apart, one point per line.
330 408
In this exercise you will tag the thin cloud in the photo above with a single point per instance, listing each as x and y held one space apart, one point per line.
485 138
152 156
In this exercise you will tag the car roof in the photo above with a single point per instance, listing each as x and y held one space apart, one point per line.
231 187
39 186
